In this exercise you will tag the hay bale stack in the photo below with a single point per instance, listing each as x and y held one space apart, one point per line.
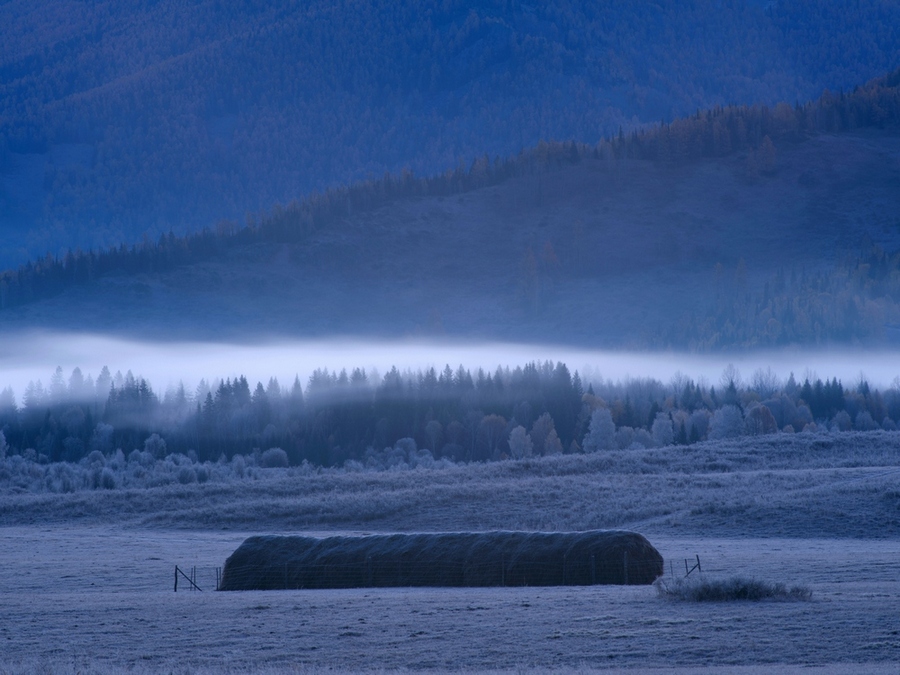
443 559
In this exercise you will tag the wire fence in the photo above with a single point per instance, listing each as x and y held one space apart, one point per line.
398 573
197 578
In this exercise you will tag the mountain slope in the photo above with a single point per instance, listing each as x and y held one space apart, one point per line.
119 119
598 252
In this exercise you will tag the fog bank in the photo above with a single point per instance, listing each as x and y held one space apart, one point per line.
29 357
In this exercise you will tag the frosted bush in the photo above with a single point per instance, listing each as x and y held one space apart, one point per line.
421 459
238 466
642 439
726 422
624 437
388 458
602 432
95 459
155 445
273 458
62 477
103 479
702 589
406 446
662 431
520 444
116 460
864 422
841 421
186 475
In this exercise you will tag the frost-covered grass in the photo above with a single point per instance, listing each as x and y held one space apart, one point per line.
785 484
142 470
705 589
98 598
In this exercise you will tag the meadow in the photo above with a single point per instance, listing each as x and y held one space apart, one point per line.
89 573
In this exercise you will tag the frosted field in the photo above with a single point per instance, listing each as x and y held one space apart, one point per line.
100 598
87 576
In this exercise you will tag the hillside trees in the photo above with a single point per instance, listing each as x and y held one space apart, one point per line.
852 309
223 109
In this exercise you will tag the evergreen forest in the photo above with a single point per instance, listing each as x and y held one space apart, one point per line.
357 419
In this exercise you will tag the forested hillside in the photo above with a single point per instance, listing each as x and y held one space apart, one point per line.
742 226
124 118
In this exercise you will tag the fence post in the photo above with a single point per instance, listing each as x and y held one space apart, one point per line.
176 578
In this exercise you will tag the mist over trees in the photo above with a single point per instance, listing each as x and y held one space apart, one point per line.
406 419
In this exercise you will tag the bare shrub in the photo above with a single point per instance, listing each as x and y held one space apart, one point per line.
703 589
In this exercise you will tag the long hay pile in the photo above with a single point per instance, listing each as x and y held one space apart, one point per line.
444 559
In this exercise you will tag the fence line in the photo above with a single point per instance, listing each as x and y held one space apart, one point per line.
191 578
372 573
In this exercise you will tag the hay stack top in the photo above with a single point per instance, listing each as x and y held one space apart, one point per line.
443 559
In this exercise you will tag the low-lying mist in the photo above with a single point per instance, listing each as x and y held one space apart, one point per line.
31 357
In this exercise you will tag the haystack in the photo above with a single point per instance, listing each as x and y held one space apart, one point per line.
443 559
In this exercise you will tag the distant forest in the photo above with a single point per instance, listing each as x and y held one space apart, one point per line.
124 118
856 302
405 418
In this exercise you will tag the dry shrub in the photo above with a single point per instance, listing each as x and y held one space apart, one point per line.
704 589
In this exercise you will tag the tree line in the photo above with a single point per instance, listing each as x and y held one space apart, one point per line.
457 415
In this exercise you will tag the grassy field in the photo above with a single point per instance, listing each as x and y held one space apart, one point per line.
89 575
795 485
